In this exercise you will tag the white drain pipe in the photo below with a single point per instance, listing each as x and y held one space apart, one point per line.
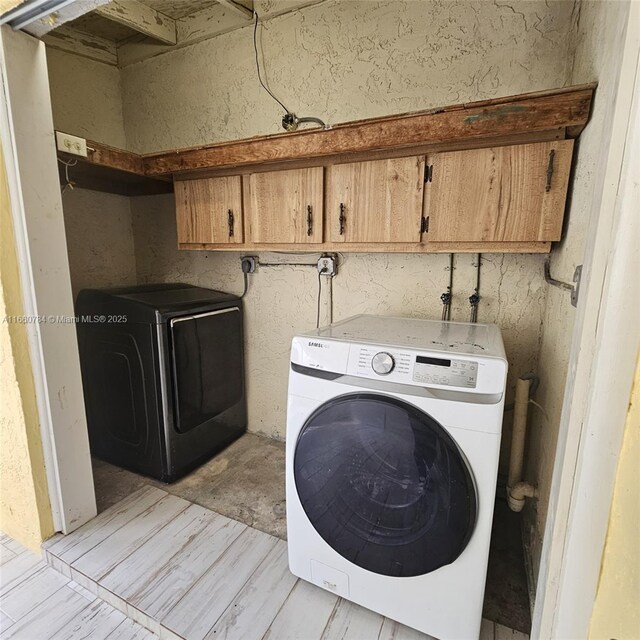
517 490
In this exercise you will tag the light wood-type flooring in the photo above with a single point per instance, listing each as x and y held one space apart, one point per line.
157 565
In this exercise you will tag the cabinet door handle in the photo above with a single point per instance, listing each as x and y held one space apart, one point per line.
309 220
230 222
552 154
342 219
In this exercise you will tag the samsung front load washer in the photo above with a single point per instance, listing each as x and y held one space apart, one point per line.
393 438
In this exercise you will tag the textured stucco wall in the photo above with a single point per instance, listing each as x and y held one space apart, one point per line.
99 234
282 300
344 60
616 613
86 100
25 512
599 39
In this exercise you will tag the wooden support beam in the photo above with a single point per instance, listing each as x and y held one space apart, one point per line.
141 18
471 123
237 8
192 28
207 23
83 44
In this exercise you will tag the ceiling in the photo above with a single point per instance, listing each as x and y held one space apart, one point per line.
96 25
123 32
180 8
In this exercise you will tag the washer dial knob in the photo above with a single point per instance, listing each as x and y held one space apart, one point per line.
383 363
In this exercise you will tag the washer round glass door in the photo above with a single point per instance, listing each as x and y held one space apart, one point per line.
384 485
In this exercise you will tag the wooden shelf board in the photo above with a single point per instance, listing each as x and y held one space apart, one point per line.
112 170
418 247
533 117
418 150
478 123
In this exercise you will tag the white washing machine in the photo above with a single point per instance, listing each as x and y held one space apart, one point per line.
393 437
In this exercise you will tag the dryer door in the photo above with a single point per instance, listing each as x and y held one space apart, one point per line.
385 485
206 357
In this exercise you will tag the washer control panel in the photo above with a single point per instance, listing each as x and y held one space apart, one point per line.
411 367
452 373
386 363
383 363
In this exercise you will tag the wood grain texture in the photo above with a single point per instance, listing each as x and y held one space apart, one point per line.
392 630
106 156
173 579
129 630
251 612
70 548
112 170
201 607
276 206
381 200
377 247
46 605
498 194
95 622
202 210
105 556
526 137
139 569
32 591
16 569
305 614
48 617
352 622
567 107
220 580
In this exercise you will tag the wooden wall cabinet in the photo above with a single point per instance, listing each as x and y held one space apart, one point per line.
502 194
498 199
285 207
377 201
209 210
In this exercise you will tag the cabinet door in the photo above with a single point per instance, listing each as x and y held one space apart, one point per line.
501 194
209 210
285 207
377 201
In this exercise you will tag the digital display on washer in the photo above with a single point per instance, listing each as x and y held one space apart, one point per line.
436 361
450 373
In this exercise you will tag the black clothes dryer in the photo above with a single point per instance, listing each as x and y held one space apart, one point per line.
163 375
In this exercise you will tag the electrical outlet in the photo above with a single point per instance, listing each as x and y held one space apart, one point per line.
249 264
328 265
71 144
